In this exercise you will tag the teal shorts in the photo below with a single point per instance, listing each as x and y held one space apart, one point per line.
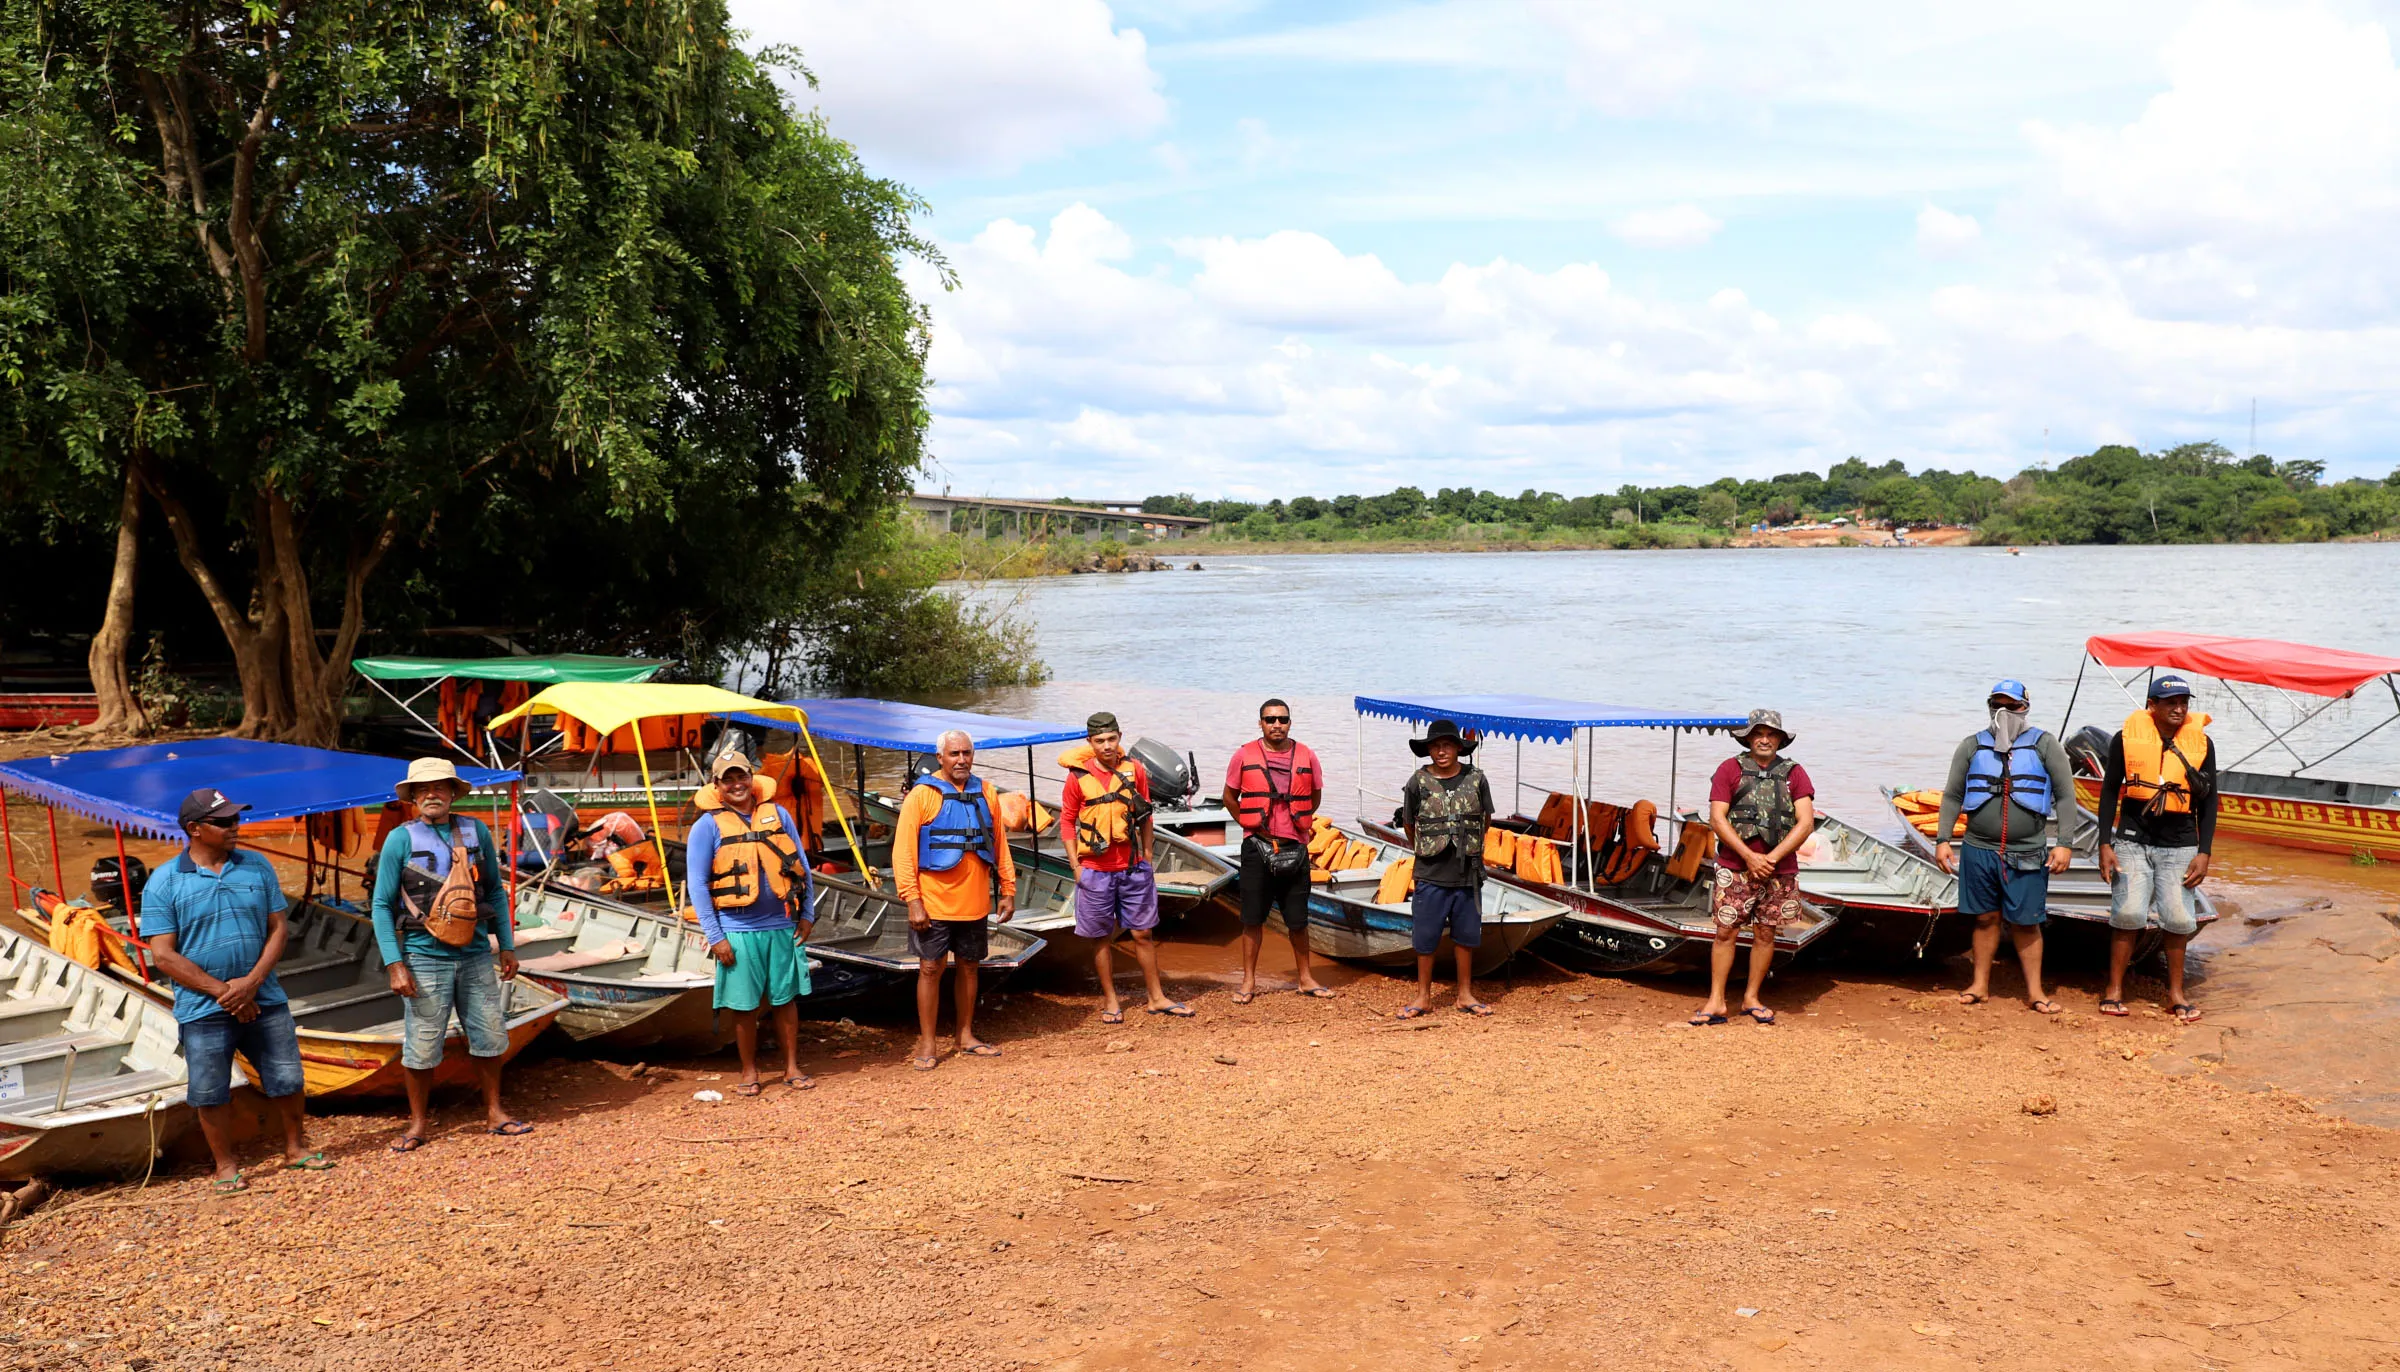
767 970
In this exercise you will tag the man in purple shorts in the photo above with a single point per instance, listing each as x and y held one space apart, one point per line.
1107 809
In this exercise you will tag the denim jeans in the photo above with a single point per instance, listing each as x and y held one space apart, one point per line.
270 1041
469 985
2151 879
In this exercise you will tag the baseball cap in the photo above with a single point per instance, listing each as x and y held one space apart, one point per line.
1101 723
2010 687
206 803
728 761
2169 686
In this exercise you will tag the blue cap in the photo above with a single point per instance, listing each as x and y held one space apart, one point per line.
2014 690
2169 686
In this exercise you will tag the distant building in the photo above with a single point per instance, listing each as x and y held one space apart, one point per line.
999 518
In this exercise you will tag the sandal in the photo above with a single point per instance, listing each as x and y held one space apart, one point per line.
2185 1012
314 1162
1112 1017
1970 998
510 1128
1412 1012
1703 1020
747 1088
2114 1008
1178 1010
2046 1007
1244 997
1319 992
408 1143
1477 1008
1760 1014
803 1082
228 1187
924 1064
983 1050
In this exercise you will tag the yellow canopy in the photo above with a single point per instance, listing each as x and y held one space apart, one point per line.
611 705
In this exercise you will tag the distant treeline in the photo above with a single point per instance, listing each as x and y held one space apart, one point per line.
2195 493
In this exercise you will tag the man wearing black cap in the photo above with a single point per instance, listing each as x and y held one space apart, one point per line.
1445 807
2009 780
2158 820
213 920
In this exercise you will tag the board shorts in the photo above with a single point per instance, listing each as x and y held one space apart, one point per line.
1263 892
1764 903
2150 880
1987 881
1438 910
468 987
1109 903
270 1041
969 940
768 969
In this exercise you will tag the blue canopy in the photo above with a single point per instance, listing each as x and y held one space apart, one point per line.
913 728
1536 717
140 789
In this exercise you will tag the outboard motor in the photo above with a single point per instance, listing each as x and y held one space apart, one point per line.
1173 776
733 737
111 890
2087 750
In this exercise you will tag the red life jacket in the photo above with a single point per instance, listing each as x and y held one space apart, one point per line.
1254 797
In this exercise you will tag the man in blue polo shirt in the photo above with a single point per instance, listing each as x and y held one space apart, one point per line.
213 919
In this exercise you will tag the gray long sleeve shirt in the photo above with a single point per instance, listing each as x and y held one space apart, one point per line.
2028 833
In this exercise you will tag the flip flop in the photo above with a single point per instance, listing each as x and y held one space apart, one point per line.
1477 1008
924 1064
314 1162
803 1082
227 1188
1412 1012
983 1050
2185 1012
408 1143
1179 1010
747 1088
1970 998
2046 1007
1704 1020
2114 1007
1319 992
510 1128
1760 1014
1244 997
1112 1017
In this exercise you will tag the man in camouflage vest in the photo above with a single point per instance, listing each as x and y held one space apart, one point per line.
1762 806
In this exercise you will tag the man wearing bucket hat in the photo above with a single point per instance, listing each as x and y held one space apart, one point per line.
2158 821
438 907
747 878
1763 807
2009 779
1445 807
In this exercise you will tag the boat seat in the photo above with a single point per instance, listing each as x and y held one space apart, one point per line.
617 951
118 1085
12 1009
337 999
56 1046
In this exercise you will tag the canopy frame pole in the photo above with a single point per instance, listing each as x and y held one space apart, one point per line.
1579 828
513 820
8 837
133 921
1033 810
2277 736
1674 769
658 837
2387 719
2072 696
833 796
1358 772
1516 797
430 727
58 870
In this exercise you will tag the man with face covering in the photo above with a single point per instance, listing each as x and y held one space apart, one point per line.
2009 779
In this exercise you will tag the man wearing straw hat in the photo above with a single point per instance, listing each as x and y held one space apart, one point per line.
746 878
435 924
1445 806
1762 807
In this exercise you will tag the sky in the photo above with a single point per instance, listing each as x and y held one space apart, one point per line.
1247 249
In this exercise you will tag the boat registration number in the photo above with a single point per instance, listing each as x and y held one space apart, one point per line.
12 1083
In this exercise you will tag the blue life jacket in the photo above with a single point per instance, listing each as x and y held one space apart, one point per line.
2019 774
428 850
963 825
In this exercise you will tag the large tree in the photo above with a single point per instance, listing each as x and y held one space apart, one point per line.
402 281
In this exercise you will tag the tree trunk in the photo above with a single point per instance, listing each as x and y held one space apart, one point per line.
318 679
120 710
254 635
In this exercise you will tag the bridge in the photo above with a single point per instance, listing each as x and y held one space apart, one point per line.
994 517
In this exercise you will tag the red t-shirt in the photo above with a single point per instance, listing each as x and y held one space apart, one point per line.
1720 788
1119 855
1279 780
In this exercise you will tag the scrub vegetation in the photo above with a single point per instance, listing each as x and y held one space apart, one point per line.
2196 493
321 325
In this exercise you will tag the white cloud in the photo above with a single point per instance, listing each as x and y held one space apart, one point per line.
967 85
1294 280
1676 226
1942 233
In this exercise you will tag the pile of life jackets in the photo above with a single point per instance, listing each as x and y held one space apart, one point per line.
81 932
462 713
1330 851
1623 837
1531 856
1923 811
339 831
661 734
633 858
1021 814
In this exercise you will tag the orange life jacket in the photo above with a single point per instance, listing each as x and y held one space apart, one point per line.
1254 793
748 846
2157 775
1111 808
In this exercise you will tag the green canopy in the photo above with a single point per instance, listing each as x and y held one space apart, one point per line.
550 671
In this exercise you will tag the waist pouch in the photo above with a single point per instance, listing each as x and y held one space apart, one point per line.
1284 860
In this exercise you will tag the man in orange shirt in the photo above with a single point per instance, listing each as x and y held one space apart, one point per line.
944 857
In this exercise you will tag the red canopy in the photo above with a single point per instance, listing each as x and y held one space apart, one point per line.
2261 661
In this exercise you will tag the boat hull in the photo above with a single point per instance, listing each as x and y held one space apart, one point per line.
1351 926
360 1066
860 948
607 1008
117 1142
2318 826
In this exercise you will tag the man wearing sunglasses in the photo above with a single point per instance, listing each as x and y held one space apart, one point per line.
213 919
1272 786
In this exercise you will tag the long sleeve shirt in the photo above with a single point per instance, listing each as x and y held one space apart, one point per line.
965 891
2123 818
2027 832
764 913
491 900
